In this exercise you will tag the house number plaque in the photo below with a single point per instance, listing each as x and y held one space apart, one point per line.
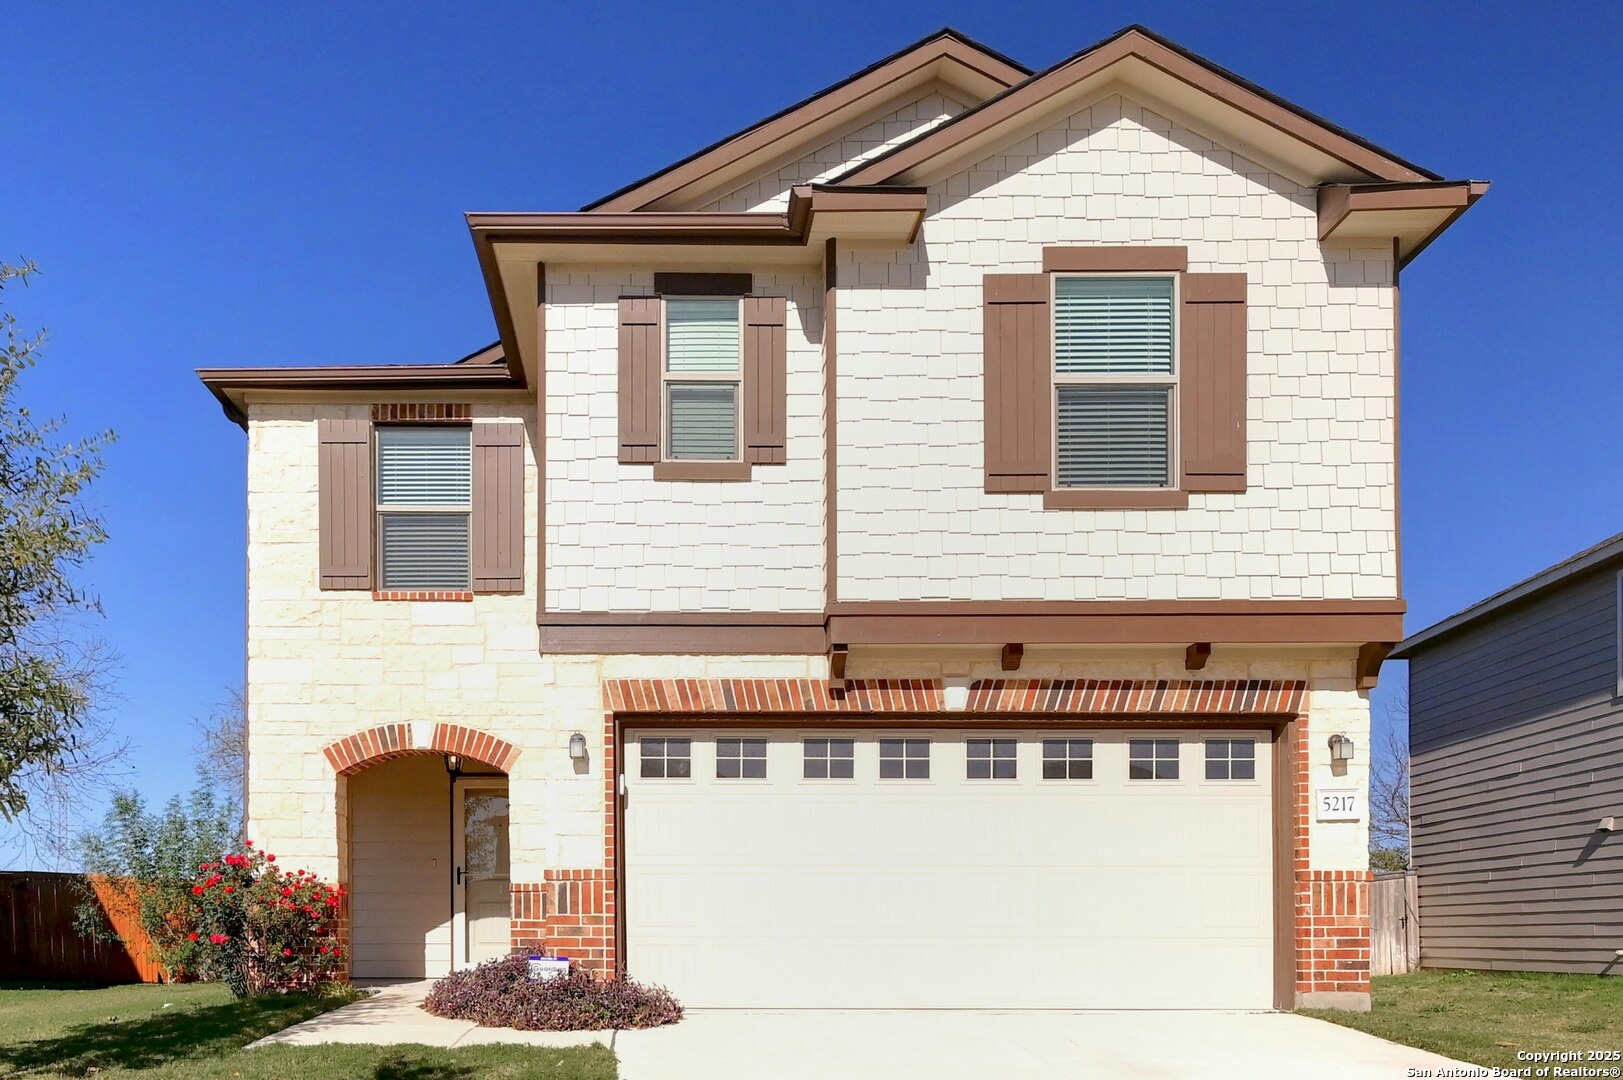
1339 804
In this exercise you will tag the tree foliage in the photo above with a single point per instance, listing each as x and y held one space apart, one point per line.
48 675
150 861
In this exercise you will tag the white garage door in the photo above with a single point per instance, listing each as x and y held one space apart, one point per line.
950 869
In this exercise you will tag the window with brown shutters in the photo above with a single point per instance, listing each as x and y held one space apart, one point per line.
416 509
702 378
1116 378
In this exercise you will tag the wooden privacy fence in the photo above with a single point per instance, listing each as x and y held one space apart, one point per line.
1394 924
38 939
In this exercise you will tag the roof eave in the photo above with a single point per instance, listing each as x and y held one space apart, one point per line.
1598 557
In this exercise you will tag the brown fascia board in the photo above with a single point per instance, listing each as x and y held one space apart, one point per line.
945 44
1338 201
451 378
600 227
1167 56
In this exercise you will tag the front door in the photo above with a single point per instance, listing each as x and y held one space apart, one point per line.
480 926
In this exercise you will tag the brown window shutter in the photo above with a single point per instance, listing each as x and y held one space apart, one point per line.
639 404
498 508
1018 382
344 478
1213 395
766 368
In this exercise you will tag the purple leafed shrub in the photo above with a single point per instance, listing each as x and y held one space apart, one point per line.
500 994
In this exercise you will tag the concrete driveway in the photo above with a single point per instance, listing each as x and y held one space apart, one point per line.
736 1044
933 1045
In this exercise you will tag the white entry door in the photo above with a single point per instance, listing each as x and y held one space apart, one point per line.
951 868
483 912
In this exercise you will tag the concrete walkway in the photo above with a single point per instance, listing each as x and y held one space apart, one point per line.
394 1014
918 1044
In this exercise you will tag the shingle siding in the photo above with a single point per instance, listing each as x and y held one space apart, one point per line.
1517 749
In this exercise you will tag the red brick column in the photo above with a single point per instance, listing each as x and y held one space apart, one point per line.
1332 935
570 914
1332 913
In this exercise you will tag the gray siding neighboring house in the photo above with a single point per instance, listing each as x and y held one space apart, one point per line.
1516 740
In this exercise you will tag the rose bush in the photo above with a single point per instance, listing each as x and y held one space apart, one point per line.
256 927
499 993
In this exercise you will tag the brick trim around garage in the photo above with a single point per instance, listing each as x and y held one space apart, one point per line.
1113 697
1330 908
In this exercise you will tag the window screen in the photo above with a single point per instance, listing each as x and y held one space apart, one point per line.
424 494
1115 376
703 357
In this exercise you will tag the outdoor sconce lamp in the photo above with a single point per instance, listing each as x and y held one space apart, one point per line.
1341 748
453 763
577 747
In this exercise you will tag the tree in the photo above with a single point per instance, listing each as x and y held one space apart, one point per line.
1389 790
51 676
150 860
222 748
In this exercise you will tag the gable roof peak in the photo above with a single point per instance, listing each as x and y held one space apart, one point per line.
948 55
1323 151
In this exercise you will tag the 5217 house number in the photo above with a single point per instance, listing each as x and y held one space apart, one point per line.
1339 804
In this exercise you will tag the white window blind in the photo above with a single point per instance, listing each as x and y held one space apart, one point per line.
425 486
1116 380
1113 436
701 336
703 370
1113 326
703 422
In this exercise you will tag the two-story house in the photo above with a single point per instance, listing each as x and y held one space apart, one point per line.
928 549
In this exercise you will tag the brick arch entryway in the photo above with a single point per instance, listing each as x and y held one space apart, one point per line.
424 851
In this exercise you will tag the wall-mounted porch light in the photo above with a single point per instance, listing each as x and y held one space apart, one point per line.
577 747
453 764
1341 748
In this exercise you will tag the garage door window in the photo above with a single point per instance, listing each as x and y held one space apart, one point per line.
1152 759
829 759
1067 759
1231 759
740 759
667 759
904 759
991 759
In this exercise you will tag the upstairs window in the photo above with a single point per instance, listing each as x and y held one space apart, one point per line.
702 372
1115 382
424 506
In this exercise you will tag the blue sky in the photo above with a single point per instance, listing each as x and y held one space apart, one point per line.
250 184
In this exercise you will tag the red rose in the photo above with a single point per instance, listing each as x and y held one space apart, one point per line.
270 858
197 890
287 952
325 950
287 892
250 843
230 888
192 936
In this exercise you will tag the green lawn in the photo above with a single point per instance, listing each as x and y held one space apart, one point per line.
1486 1017
191 1032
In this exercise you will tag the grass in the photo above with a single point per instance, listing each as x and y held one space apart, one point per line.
1485 1017
198 1031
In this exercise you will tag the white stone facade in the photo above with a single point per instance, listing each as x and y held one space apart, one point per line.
1318 517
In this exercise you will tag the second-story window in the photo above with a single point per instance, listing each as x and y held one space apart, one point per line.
702 373
424 502
1115 382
